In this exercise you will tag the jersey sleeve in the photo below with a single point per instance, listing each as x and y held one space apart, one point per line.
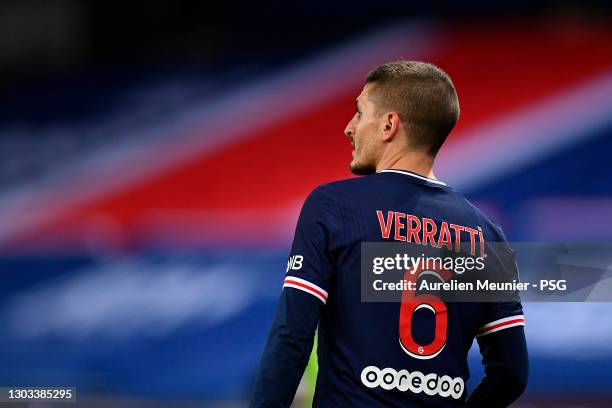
502 344
306 285
502 316
506 314
506 365
310 264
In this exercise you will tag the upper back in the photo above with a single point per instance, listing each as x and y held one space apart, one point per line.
406 343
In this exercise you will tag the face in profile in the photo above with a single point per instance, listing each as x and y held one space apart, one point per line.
364 134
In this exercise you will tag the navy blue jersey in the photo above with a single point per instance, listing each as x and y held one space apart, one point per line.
368 355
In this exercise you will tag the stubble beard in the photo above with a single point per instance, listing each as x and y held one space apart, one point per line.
362 169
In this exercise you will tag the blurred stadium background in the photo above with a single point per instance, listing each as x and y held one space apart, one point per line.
154 156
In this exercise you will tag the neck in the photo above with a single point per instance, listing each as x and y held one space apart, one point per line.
416 162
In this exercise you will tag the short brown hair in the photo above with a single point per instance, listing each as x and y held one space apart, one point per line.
424 97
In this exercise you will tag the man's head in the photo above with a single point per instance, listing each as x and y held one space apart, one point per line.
409 106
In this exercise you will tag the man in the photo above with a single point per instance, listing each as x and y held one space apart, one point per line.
403 116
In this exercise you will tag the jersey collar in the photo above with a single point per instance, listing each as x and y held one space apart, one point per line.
411 174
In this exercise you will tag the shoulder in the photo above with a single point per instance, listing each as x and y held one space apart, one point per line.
340 189
333 196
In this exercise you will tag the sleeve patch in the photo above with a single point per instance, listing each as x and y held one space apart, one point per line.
304 285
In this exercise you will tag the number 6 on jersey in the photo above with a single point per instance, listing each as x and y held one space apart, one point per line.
410 304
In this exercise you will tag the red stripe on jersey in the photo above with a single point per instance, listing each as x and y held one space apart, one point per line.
503 324
311 287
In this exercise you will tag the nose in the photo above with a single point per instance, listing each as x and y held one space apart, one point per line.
349 130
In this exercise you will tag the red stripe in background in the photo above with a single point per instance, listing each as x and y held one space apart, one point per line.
496 68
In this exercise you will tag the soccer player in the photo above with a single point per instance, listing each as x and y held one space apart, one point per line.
368 355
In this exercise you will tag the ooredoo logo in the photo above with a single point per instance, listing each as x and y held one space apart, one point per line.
415 381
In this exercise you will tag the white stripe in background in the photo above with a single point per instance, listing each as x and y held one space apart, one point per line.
261 103
580 331
570 330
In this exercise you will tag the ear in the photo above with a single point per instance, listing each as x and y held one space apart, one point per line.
391 125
